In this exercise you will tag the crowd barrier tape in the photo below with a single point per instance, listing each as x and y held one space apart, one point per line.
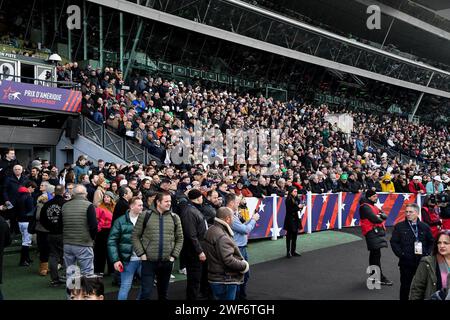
325 211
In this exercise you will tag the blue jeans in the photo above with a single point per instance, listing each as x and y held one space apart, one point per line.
26 237
242 289
159 269
224 291
127 276
83 255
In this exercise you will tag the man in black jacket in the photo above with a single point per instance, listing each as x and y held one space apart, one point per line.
255 188
194 229
11 194
122 205
343 184
91 187
316 185
5 240
411 240
6 169
355 185
51 219
326 179
373 182
100 168
210 206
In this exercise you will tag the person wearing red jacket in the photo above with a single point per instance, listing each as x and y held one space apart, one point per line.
430 215
374 230
416 186
242 190
104 213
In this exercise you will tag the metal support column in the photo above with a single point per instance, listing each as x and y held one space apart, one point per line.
42 25
55 25
340 210
55 18
420 99
206 12
275 233
387 33
136 40
69 44
309 211
85 44
121 40
100 47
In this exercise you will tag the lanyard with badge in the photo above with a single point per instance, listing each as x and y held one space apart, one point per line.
417 244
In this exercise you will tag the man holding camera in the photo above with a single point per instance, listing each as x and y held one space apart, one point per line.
241 231
374 230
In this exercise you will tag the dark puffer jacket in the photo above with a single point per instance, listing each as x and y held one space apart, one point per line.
225 262
209 211
372 225
120 242
194 229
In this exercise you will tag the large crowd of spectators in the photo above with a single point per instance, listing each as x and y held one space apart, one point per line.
149 110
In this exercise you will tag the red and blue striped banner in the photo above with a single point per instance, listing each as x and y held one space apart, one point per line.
324 212
264 207
392 204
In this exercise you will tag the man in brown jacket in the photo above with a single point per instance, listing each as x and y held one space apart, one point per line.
226 266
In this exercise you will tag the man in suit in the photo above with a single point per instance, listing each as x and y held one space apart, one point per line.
411 240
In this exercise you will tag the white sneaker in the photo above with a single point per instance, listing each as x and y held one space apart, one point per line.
183 271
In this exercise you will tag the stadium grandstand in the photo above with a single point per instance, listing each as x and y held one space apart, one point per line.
96 93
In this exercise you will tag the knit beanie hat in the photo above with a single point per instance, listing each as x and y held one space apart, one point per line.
370 193
110 194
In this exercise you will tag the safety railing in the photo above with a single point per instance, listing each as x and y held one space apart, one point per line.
41 82
129 151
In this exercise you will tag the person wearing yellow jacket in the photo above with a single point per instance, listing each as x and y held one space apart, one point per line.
244 212
386 183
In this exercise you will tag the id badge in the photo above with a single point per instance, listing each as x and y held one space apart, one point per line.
418 248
